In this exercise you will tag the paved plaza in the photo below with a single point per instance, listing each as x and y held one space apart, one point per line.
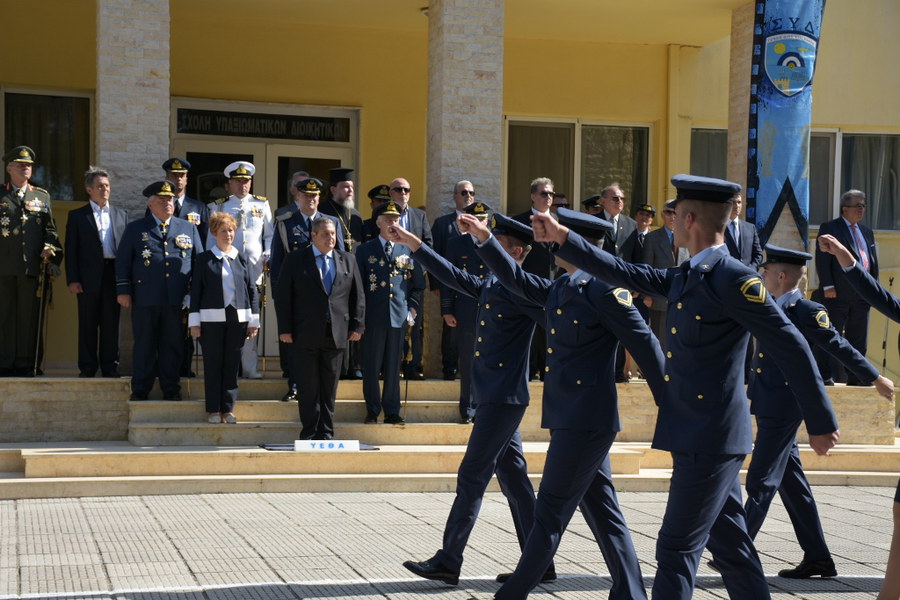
351 546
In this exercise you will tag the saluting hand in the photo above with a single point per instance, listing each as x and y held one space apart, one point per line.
828 243
402 236
548 229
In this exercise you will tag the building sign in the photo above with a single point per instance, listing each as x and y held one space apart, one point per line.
263 125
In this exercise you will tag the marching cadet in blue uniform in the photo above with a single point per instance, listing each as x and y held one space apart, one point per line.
715 304
775 466
505 326
153 278
462 309
585 319
886 303
28 243
393 284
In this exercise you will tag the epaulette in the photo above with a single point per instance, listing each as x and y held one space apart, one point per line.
220 201
263 198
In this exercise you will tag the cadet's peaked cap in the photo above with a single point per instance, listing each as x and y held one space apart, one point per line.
503 225
380 192
388 209
176 165
310 185
647 208
339 174
582 223
592 201
777 254
704 189
160 188
240 169
22 154
479 209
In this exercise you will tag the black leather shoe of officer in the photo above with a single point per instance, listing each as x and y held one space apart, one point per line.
394 420
548 577
138 396
828 381
466 420
811 568
370 418
433 570
449 375
174 397
290 396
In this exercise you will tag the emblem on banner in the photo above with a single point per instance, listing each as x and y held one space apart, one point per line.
790 61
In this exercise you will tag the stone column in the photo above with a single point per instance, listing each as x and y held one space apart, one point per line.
465 117
131 120
742 19
132 100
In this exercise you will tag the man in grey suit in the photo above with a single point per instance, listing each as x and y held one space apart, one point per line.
661 252
93 232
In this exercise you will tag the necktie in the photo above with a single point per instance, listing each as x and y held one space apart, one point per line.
327 273
388 248
734 233
641 240
860 246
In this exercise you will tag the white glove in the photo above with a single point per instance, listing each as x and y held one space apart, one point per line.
410 318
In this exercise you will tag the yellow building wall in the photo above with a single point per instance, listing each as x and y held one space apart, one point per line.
50 44
383 72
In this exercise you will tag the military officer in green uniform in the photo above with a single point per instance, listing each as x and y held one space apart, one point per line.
28 244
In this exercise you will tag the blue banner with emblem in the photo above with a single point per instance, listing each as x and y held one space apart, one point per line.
785 47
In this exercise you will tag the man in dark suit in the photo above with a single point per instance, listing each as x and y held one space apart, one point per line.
539 262
660 252
504 328
153 278
741 237
633 248
321 306
443 230
293 232
415 221
849 313
393 285
585 319
28 245
715 304
340 205
92 234
612 198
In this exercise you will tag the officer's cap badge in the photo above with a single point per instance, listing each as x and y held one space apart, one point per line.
167 187
754 290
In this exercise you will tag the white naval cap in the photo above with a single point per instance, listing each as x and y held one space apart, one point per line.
240 169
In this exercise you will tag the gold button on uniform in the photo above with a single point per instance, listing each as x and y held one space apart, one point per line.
549 350
761 355
674 330
559 311
697 317
546 369
487 305
553 331
479 339
477 353
666 377
482 322
668 355
575 321
680 305
578 382
501 365
699 396
759 370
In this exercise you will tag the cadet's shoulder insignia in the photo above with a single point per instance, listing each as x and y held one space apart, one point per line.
260 198
822 319
221 201
623 296
754 290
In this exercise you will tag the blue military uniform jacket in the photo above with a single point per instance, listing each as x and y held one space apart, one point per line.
713 309
585 319
872 292
460 252
153 270
505 325
770 394
290 226
195 212
393 284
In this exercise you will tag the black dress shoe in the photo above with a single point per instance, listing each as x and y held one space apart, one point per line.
433 570
356 375
187 374
84 375
291 395
112 374
370 418
394 420
449 375
811 568
175 397
415 375
549 576
828 381
138 396
466 420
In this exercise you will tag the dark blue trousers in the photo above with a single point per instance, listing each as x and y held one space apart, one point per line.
381 348
705 510
495 446
222 343
466 347
157 348
98 319
577 473
775 467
